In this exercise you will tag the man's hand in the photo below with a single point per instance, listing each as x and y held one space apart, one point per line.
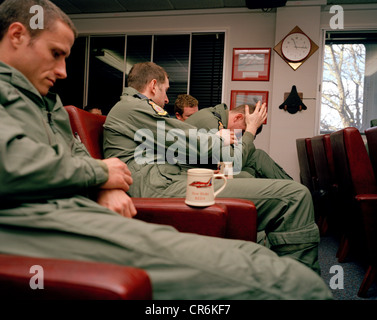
227 136
256 119
112 193
117 200
119 175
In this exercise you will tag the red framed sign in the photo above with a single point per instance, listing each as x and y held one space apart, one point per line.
238 97
251 64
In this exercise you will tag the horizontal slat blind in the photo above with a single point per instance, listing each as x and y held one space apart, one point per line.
207 58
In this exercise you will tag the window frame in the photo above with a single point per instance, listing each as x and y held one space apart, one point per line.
88 37
324 38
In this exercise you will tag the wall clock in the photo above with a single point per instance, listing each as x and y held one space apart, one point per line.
295 48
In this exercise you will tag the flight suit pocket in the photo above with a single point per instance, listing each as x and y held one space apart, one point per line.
77 147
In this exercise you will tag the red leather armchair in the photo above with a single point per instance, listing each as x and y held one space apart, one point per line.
308 175
68 279
228 218
358 189
371 135
231 218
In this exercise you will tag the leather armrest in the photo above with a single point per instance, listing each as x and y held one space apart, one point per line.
230 218
242 218
210 221
368 206
371 197
71 279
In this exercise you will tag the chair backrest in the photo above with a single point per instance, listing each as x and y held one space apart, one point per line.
371 134
321 164
353 167
306 163
324 162
89 128
330 158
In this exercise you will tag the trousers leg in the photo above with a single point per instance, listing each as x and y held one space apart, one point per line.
181 266
285 208
261 165
285 216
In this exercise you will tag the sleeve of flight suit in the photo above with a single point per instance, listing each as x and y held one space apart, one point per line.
31 170
134 121
204 119
239 154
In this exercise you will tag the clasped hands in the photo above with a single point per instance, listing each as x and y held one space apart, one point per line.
112 194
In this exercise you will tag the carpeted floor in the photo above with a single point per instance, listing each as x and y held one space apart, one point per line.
353 272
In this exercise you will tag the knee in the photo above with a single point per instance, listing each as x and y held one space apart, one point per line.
301 194
305 200
305 191
301 190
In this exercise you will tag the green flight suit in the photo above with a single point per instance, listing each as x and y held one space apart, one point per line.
45 175
136 126
260 164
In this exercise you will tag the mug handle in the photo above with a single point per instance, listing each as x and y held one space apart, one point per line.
221 176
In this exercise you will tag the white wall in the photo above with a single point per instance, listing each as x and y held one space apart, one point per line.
253 28
286 127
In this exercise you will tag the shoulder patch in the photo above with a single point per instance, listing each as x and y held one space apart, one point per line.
160 111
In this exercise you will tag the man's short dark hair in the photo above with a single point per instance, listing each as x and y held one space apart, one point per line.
19 11
91 107
241 108
182 101
144 72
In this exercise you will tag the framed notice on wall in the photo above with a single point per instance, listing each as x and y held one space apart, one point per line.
239 97
251 64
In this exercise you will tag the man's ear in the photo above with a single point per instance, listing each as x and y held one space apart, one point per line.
17 34
153 86
239 117
178 116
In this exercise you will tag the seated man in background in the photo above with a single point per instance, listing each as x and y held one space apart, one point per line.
184 106
46 176
93 109
140 132
219 117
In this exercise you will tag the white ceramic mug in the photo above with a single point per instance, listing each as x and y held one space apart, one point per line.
200 191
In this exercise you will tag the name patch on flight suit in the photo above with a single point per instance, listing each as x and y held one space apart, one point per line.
160 111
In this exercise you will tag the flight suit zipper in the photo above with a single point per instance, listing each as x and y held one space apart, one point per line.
50 122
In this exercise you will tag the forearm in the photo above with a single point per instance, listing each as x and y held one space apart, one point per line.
239 154
168 140
30 170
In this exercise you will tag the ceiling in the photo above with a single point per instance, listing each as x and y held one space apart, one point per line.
111 6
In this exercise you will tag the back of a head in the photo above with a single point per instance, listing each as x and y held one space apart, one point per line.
241 108
144 72
93 109
21 11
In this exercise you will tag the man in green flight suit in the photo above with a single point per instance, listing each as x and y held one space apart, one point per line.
46 176
158 150
261 165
